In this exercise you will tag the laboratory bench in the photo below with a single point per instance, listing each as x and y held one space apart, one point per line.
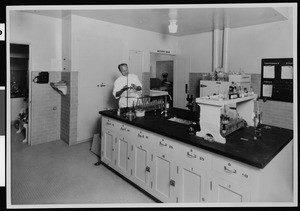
169 161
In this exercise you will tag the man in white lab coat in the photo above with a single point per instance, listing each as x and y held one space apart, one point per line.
127 87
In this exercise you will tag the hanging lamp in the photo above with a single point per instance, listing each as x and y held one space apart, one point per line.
173 21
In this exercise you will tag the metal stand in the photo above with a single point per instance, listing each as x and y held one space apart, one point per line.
210 111
98 163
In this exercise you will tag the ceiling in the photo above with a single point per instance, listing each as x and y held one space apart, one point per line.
191 20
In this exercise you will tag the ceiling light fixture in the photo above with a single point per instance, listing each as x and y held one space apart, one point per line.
173 21
173 26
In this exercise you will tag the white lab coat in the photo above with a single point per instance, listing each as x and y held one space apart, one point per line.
130 93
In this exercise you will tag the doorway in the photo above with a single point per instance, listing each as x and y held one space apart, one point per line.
19 87
161 73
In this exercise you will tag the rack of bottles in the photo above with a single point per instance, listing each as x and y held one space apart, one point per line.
145 103
230 121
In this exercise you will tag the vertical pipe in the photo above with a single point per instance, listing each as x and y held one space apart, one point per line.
216 43
225 48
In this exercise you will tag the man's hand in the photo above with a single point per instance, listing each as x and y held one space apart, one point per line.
125 88
138 88
133 86
121 91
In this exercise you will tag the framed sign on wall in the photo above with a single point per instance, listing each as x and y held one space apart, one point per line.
277 79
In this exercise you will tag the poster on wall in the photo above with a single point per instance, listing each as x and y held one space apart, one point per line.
277 79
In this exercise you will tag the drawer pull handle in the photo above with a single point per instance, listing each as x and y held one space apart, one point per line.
108 123
122 128
229 171
141 136
147 168
190 155
161 144
172 183
245 175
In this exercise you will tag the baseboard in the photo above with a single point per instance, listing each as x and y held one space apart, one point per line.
133 184
84 140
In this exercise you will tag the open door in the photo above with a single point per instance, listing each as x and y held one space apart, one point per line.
181 71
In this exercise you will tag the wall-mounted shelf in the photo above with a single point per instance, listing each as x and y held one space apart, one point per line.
60 87
18 56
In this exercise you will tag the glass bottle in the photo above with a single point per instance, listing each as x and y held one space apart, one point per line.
257 124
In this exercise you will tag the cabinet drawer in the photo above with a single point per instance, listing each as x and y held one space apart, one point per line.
147 137
231 169
167 146
109 123
196 156
124 129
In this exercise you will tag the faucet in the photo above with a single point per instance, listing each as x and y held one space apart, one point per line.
190 104
165 112
166 107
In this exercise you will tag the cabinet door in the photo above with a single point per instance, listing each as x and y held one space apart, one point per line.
164 177
223 190
192 184
122 155
107 147
140 171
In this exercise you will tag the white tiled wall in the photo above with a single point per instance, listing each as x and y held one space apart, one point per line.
45 110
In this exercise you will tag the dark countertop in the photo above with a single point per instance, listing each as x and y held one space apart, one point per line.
257 153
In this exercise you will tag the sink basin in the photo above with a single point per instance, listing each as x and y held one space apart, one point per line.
179 120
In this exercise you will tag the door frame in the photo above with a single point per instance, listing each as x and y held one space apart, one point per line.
176 75
174 72
28 131
178 80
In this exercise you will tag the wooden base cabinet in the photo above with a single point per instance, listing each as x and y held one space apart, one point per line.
226 191
122 155
141 169
173 171
107 147
192 184
164 177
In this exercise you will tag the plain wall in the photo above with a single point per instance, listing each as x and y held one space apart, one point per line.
246 47
43 34
199 48
97 49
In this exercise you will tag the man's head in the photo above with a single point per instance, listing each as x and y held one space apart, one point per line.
123 68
